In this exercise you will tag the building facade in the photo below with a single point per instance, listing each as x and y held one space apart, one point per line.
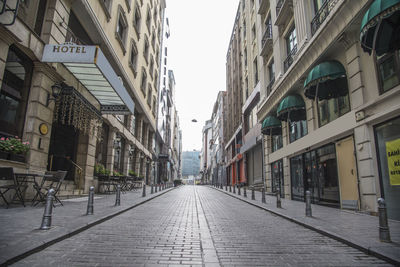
328 109
205 155
80 83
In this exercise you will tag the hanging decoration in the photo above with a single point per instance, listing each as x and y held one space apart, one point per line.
73 109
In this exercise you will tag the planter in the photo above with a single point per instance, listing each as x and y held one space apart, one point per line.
17 157
4 155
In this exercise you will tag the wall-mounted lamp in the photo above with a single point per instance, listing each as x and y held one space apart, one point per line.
55 92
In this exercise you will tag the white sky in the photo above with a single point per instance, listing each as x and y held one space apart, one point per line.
200 34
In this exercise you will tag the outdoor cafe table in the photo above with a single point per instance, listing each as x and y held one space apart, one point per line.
24 179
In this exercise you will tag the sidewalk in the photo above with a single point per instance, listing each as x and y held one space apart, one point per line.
355 229
20 235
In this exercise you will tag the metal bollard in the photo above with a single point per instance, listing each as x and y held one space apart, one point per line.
118 196
384 233
308 204
244 192
159 188
230 188
46 220
144 190
278 198
253 196
89 210
238 190
234 190
263 195
152 189
226 188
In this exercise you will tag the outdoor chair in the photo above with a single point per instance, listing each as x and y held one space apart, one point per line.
7 173
54 180
104 183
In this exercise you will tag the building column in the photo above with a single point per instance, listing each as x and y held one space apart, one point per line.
110 149
125 169
138 127
301 18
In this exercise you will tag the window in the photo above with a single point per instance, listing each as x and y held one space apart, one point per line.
245 57
291 41
14 92
318 4
331 109
154 106
40 16
156 80
133 57
149 96
146 50
128 4
297 129
151 69
137 19
148 19
253 32
271 71
255 69
276 142
388 66
153 39
244 29
166 51
106 5
144 81
122 28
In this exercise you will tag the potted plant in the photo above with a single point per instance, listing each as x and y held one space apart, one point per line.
14 147
132 173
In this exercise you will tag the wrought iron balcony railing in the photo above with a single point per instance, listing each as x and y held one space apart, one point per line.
322 14
269 86
289 59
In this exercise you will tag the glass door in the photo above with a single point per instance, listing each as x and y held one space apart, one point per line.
277 177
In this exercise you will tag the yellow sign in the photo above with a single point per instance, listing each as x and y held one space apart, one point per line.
393 159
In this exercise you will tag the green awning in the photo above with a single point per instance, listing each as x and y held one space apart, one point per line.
291 108
383 19
330 79
271 126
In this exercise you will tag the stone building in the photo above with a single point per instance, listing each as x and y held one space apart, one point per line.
329 101
79 81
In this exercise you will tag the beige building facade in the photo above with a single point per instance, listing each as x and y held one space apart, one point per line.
329 110
105 114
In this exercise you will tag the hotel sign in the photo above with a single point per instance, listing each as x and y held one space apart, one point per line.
69 53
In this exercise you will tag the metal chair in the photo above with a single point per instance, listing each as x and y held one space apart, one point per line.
7 173
54 180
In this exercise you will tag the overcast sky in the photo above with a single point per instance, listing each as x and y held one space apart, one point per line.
200 34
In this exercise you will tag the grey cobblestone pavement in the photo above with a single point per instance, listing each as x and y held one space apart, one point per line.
196 225
19 232
358 229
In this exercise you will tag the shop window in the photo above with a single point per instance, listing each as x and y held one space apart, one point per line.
388 71
277 181
297 179
297 130
331 109
14 92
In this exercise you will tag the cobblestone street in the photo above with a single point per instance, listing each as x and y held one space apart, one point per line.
195 225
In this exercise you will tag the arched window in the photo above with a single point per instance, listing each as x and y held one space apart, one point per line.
14 92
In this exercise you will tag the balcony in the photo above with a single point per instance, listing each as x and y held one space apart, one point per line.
322 14
266 42
269 87
290 58
284 13
263 7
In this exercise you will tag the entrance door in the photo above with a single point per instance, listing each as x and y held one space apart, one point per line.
63 147
277 177
347 174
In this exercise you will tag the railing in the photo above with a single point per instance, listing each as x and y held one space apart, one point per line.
269 86
289 59
322 14
267 34
279 5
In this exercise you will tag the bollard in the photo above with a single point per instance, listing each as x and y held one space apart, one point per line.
238 190
222 187
244 192
89 210
159 188
263 195
278 198
253 196
155 188
226 188
234 190
118 196
152 189
46 220
308 204
384 233
144 190
230 188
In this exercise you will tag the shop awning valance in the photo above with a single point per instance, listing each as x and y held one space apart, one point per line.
380 27
89 65
271 126
326 80
291 108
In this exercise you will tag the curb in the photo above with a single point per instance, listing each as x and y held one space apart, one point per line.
366 250
48 243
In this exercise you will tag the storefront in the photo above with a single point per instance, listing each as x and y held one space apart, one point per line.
387 138
277 181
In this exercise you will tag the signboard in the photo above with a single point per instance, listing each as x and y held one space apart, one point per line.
393 159
69 53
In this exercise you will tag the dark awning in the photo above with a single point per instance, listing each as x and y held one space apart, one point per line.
271 126
291 107
380 27
330 79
